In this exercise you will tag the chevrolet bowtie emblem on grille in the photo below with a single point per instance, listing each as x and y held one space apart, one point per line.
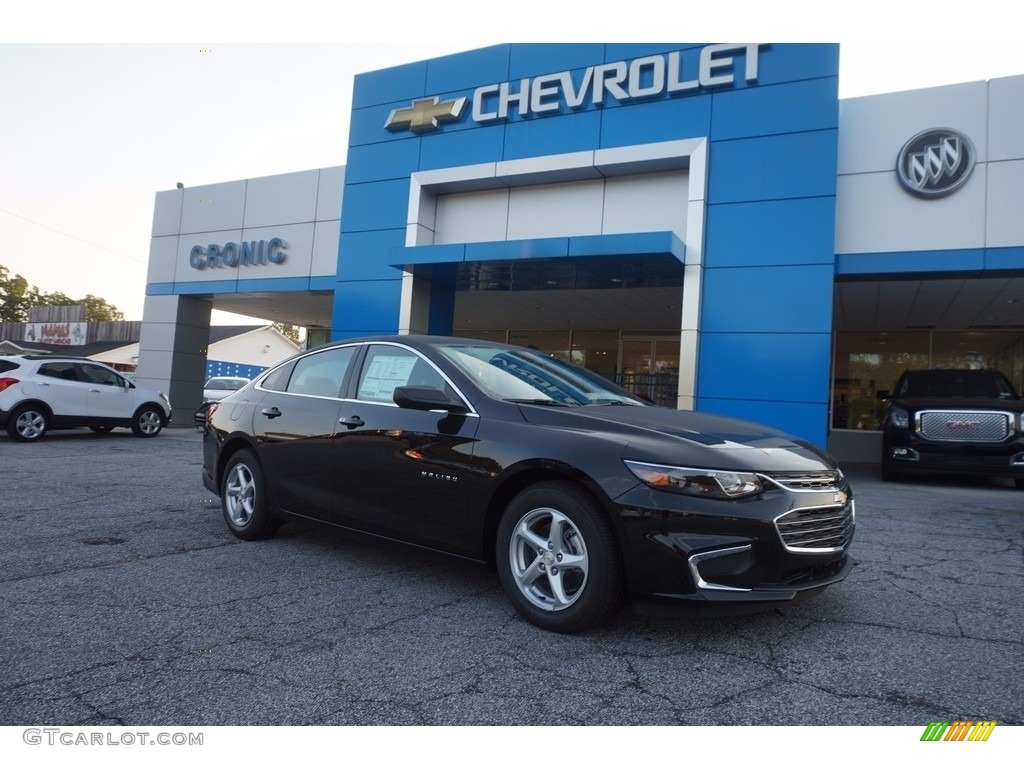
425 115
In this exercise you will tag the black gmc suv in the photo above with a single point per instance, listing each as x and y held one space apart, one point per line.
953 422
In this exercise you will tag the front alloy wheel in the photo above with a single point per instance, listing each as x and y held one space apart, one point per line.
549 559
243 499
557 558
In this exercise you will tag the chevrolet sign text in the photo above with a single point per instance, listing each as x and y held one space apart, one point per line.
647 77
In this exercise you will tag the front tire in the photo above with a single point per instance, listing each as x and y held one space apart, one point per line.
147 421
244 499
28 424
557 558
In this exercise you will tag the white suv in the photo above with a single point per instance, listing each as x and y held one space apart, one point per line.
43 392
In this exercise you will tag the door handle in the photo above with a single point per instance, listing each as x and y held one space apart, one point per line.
351 421
271 413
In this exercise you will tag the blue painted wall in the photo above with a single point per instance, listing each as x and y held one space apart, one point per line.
766 315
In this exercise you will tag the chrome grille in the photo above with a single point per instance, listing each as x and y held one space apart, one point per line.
817 529
966 426
807 481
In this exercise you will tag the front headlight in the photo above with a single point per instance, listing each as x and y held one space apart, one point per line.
706 483
899 418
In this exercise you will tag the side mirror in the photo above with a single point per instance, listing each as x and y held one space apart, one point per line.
426 399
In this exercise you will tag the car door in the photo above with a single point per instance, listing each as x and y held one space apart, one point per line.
400 472
109 397
295 425
60 388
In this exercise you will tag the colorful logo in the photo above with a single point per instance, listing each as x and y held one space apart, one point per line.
958 730
425 114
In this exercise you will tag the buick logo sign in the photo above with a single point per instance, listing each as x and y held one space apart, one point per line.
935 162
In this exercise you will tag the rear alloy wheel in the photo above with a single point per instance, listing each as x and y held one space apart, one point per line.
27 424
244 499
147 421
557 558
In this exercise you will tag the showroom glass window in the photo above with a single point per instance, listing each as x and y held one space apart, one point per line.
866 363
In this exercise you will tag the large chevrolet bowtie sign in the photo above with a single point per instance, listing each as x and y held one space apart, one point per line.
646 77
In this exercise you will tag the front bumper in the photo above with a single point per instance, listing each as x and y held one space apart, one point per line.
904 451
777 547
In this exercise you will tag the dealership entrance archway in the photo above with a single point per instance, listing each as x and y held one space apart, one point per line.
619 316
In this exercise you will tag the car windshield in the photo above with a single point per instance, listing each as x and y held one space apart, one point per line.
230 384
981 384
528 376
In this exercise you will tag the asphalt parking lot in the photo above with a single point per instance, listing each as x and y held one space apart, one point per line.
124 601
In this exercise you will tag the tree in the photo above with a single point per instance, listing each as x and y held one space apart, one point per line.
288 330
99 310
17 297
57 299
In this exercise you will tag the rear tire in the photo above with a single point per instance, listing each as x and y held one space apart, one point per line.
557 558
28 424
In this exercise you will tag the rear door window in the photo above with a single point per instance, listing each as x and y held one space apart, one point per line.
322 374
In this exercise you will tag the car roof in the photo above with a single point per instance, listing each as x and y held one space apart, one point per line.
59 358
412 340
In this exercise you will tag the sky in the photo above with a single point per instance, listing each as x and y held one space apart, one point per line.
100 108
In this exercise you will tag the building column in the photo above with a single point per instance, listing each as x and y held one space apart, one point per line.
172 351
428 300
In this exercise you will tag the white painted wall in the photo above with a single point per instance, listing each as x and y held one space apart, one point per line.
265 347
873 212
303 208
652 202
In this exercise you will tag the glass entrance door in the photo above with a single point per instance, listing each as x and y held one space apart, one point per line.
649 367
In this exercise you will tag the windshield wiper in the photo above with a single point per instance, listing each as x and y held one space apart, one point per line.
613 402
538 401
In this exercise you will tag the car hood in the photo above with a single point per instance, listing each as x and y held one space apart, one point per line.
667 436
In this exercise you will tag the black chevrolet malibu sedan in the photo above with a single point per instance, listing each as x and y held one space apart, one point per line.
578 492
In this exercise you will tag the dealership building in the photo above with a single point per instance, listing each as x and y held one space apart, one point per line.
709 225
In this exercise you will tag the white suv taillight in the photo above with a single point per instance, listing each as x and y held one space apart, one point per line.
6 382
